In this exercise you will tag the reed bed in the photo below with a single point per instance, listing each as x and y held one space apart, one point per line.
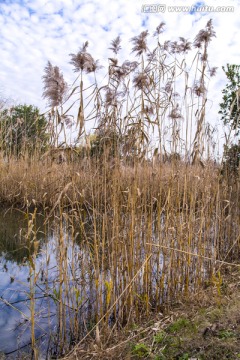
130 240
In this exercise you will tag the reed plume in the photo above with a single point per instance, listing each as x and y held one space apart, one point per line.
115 45
83 61
159 29
55 87
140 43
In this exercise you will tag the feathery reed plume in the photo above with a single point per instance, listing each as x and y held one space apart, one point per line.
83 61
152 55
175 113
212 71
116 47
198 88
140 43
55 88
201 40
129 66
204 36
184 45
94 67
159 29
114 62
120 72
166 45
111 97
175 47
141 81
168 87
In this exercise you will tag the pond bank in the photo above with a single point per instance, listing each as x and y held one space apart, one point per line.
206 326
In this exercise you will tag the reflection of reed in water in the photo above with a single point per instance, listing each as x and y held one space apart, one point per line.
13 225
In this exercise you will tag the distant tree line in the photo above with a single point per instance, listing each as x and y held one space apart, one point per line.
23 130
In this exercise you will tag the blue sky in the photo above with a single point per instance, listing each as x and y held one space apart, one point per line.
35 31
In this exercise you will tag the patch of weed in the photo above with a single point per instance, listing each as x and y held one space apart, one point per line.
160 337
184 357
180 324
215 314
141 350
225 334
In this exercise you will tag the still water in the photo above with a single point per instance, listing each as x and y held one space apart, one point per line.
15 323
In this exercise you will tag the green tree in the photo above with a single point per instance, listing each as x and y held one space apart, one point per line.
112 144
230 114
231 160
23 129
230 106
106 142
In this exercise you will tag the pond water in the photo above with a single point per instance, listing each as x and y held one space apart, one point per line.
15 286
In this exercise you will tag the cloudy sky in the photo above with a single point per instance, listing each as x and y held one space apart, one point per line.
35 31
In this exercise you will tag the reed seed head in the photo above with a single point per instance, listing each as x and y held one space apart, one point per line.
184 45
175 113
204 36
212 71
115 45
110 97
175 47
166 45
114 62
83 61
141 81
140 43
199 88
55 88
159 29
152 55
129 66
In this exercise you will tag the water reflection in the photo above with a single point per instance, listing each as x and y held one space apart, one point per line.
15 284
13 225
63 288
